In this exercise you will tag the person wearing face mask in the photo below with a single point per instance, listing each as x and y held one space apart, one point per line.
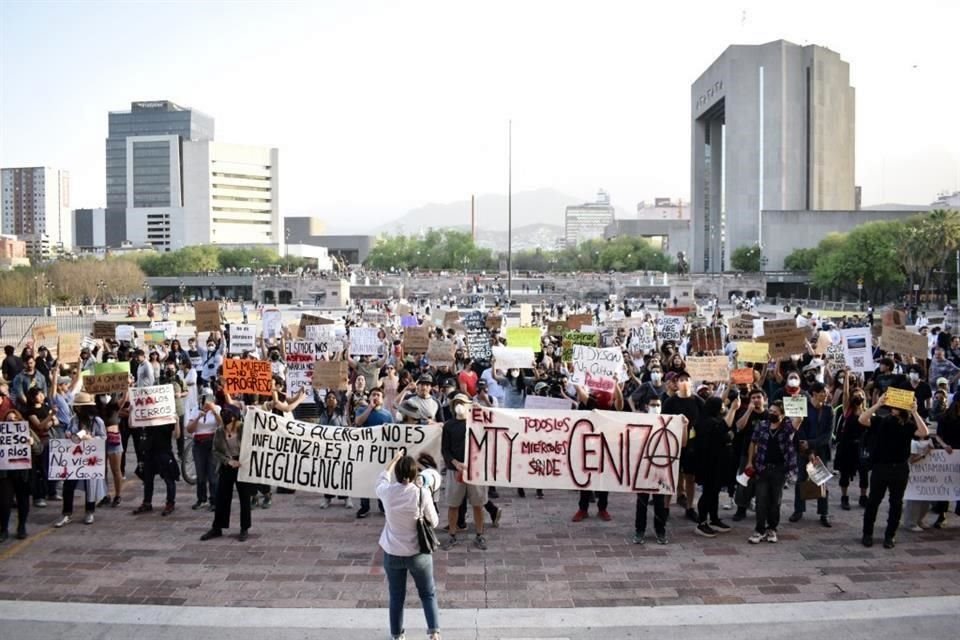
211 358
851 460
650 404
685 403
921 390
792 388
202 424
746 424
891 469
813 436
772 458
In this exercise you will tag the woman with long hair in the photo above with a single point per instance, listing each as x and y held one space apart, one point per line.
16 484
850 461
86 425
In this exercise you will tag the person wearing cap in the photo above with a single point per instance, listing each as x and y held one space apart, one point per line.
423 400
682 401
483 397
226 453
85 425
453 449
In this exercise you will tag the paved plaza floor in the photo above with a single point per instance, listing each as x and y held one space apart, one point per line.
300 556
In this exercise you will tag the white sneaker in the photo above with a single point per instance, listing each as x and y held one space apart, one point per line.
756 538
728 506
88 518
916 528
771 536
326 503
62 521
433 636
348 504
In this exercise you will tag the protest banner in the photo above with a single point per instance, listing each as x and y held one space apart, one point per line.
743 375
104 330
152 406
364 341
477 336
795 407
243 337
84 460
547 404
331 374
68 347
309 457
441 353
935 477
590 450
15 446
709 368
526 314
899 398
416 339
44 334
577 320
783 338
169 327
573 338
858 349
107 382
741 329
603 362
904 342
206 315
154 336
272 324
706 339
301 356
670 328
513 357
753 352
556 328
528 337
247 376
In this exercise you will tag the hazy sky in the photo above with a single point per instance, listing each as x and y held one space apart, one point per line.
378 107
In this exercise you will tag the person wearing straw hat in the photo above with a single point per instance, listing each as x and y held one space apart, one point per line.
85 425
452 446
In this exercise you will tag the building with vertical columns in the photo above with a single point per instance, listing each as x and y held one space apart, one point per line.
772 128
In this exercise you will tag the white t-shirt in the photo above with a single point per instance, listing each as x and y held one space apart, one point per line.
206 421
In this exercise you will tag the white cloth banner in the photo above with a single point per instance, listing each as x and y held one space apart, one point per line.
364 341
936 477
858 349
243 337
152 406
606 362
344 461
590 450
547 404
513 357
84 460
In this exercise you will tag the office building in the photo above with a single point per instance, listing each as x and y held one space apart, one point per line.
36 209
89 230
663 209
587 221
13 253
772 129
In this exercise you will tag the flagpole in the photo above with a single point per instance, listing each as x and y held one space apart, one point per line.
509 211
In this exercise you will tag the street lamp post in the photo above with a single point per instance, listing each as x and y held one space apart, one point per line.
146 288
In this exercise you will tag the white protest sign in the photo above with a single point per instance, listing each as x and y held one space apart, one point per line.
314 458
858 349
84 460
513 357
15 446
243 337
272 324
124 333
169 327
322 336
642 338
604 362
152 406
88 343
301 358
547 404
590 450
936 477
364 341
670 328
795 407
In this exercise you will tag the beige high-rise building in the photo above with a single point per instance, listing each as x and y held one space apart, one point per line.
36 209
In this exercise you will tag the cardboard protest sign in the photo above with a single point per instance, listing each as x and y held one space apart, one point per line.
84 460
834 357
301 356
125 333
589 450
272 324
104 330
823 343
374 318
364 341
795 407
243 337
858 349
247 376
44 334
15 446
783 338
742 376
547 404
709 368
603 362
307 320
670 328
900 398
107 382
573 338
904 342
450 319
416 339
577 320
524 337
894 318
332 374
706 339
513 357
68 347
152 406
679 311
309 457
493 322
556 328
526 314
154 336
753 352
935 477
741 329
206 315
477 336
441 353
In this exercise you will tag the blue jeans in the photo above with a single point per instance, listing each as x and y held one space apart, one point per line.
206 469
420 567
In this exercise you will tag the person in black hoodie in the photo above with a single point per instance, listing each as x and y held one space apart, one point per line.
713 444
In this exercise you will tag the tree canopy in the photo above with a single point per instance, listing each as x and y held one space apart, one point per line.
204 258
747 258
436 250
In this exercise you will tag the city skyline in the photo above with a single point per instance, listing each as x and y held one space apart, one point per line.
378 109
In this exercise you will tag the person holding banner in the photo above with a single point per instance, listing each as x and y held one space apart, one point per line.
891 468
86 425
404 503
649 402
453 448
16 483
226 453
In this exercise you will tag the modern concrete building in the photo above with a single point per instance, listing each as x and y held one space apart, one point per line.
36 209
772 129
89 229
309 230
663 209
670 236
587 221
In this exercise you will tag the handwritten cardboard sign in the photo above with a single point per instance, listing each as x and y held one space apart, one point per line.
206 315
573 338
451 319
783 338
247 376
68 349
301 357
935 477
84 460
795 407
741 329
900 398
577 320
744 375
709 368
15 446
243 337
107 382
152 406
604 362
364 341
104 330
513 357
904 342
753 352
416 339
441 353
670 328
332 374
45 334
524 337
272 324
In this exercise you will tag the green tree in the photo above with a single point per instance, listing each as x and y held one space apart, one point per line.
870 252
746 258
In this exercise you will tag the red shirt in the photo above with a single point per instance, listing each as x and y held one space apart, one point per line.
468 378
